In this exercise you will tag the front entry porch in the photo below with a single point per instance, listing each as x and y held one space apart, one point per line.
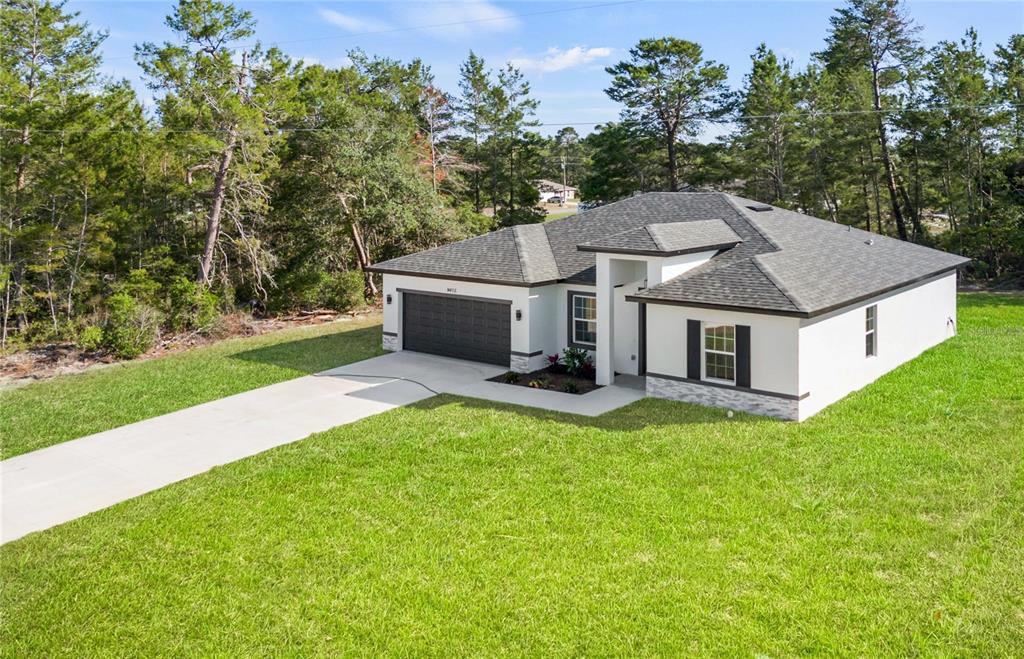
618 336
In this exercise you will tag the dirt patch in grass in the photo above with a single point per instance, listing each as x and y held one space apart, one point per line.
547 378
48 361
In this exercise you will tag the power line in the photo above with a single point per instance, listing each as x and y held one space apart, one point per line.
804 113
430 26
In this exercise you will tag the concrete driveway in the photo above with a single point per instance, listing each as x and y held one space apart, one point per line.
66 481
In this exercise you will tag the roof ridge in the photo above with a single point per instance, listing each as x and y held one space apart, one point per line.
535 266
731 200
516 240
773 278
654 236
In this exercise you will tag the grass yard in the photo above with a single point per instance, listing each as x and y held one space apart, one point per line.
890 524
67 407
558 215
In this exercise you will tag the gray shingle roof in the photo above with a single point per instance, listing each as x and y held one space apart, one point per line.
577 267
784 262
490 257
667 239
821 264
739 283
812 266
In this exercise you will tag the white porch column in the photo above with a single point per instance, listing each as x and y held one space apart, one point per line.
605 326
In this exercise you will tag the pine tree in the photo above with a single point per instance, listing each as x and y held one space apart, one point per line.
221 103
878 37
767 109
514 109
1008 70
961 133
668 90
622 163
50 62
474 114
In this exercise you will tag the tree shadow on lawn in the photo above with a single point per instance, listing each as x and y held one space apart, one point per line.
319 353
975 300
639 415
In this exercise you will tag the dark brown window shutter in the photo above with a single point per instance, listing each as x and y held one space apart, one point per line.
743 356
693 349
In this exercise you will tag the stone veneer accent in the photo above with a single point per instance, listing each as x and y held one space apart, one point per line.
519 363
733 399
390 343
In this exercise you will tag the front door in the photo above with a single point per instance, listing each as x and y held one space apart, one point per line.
625 346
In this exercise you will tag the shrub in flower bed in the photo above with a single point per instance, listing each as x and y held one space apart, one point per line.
571 372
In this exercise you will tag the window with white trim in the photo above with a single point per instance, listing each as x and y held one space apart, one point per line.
720 353
871 331
584 319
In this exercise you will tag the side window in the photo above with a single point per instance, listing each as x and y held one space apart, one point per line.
871 331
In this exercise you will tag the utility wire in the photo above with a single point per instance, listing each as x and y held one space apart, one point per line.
411 28
725 120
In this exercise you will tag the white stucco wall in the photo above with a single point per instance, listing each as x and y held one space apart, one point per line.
545 335
773 344
818 360
909 321
662 269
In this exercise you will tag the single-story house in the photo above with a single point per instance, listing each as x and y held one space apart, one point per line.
547 189
714 299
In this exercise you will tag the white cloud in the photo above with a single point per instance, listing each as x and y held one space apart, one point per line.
352 23
556 59
330 63
459 20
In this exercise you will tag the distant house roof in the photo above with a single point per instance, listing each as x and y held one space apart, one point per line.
769 260
667 239
551 186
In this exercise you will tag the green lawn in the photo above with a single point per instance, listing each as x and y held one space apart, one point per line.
53 411
890 524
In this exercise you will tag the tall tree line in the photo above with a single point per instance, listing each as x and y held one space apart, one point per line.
878 131
259 181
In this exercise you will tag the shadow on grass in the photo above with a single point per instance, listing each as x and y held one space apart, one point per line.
642 414
319 353
980 300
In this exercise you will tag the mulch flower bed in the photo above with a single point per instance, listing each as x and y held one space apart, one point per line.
547 378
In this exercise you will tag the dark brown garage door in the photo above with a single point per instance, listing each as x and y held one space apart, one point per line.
465 328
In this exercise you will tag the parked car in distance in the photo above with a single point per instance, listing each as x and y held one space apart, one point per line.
556 199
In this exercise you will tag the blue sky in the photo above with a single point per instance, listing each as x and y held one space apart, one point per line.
562 47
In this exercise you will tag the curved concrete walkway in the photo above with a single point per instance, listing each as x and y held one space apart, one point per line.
68 480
